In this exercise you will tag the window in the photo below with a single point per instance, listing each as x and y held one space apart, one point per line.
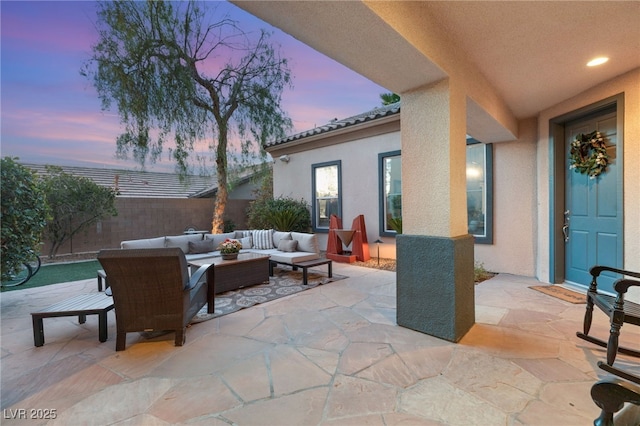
480 191
327 189
390 181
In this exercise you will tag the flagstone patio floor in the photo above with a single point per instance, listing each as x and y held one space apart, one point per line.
332 355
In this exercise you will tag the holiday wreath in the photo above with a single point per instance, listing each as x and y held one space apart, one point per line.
589 154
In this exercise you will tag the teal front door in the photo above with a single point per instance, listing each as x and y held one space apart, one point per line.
593 207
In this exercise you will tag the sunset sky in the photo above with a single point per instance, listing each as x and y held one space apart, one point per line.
50 114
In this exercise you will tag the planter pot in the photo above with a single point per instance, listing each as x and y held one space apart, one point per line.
230 256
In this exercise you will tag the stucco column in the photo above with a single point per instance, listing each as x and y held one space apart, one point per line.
435 288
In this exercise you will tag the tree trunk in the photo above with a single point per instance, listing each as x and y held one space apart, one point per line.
217 223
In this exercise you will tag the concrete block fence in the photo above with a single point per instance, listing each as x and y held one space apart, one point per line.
150 217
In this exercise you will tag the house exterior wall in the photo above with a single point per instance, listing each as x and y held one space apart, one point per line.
359 181
629 85
514 165
521 238
514 168
514 204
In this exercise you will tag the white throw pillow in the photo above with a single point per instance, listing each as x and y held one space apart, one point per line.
263 239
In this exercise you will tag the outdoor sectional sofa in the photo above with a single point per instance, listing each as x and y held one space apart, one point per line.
283 247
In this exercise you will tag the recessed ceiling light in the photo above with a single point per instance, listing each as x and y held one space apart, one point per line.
597 61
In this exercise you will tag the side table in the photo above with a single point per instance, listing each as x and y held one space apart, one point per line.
81 305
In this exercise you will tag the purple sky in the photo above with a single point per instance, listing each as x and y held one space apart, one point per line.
50 114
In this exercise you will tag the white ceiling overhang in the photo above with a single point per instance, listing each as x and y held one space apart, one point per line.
522 56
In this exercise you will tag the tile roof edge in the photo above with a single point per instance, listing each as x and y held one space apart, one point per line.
377 113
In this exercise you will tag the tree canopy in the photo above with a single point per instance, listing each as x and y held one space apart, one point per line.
23 216
75 203
389 98
179 75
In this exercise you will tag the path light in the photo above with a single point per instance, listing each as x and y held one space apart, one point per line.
378 242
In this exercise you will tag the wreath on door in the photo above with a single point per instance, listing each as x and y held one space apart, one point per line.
588 154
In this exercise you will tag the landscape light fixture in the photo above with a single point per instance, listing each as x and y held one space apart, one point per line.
378 242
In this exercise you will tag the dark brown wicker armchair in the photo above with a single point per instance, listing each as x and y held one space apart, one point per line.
152 290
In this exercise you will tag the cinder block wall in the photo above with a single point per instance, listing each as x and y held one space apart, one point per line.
150 217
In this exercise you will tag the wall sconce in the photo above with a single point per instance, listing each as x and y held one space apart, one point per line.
284 158
378 242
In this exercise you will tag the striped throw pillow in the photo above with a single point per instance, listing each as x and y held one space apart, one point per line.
263 239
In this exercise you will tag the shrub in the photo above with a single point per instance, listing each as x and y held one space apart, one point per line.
23 217
480 273
396 224
228 226
75 203
282 214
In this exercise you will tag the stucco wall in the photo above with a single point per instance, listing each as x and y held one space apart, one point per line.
521 184
514 177
359 182
514 204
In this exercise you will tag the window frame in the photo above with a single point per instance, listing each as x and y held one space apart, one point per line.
382 230
488 182
314 199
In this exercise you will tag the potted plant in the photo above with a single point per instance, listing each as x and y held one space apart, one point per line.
229 249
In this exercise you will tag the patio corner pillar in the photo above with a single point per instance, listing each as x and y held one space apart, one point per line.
435 285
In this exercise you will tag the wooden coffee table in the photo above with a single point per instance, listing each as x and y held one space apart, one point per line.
225 275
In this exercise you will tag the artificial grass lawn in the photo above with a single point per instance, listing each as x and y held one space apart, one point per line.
60 273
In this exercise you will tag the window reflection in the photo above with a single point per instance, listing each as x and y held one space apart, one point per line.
326 180
392 186
477 189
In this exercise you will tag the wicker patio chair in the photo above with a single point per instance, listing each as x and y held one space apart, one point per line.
152 290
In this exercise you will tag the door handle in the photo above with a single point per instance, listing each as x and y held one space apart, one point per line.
565 227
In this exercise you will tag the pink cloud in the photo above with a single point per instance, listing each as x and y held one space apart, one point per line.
50 111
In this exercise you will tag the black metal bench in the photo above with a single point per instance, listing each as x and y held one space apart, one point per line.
81 305
305 266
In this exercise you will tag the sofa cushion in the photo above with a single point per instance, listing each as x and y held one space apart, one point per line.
287 245
219 238
195 256
242 234
295 257
306 242
247 242
277 236
204 246
263 239
144 243
182 241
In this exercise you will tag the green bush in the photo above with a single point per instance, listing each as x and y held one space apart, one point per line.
228 226
281 214
395 223
480 273
23 217
75 204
